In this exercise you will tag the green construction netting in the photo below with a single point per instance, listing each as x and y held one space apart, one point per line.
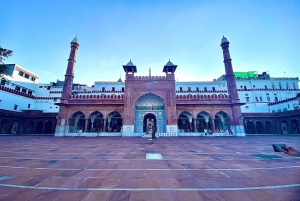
249 74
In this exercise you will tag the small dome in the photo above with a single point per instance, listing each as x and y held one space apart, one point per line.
224 40
120 80
75 40
169 63
130 63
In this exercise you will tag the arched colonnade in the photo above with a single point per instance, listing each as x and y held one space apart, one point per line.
30 126
272 127
95 122
218 122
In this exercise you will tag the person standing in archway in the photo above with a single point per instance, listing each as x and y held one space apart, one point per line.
153 134
205 132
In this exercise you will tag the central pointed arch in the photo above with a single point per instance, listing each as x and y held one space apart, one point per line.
149 101
150 111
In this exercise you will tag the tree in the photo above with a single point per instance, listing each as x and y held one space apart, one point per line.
4 54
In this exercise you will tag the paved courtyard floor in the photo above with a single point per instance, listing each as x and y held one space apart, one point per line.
180 169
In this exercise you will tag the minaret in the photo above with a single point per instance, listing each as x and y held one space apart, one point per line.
238 127
69 76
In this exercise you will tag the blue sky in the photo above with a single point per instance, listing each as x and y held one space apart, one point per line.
263 35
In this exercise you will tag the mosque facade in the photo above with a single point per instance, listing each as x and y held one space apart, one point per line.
246 103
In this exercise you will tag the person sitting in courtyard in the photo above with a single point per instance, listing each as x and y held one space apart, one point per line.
292 151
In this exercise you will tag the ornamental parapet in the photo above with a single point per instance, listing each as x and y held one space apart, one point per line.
97 97
263 89
202 97
46 98
282 101
149 78
89 91
201 91
13 91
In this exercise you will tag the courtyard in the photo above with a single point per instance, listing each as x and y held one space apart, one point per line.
136 169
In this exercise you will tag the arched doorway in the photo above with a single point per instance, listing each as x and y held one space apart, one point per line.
222 121
260 127
149 104
114 122
14 127
48 127
149 122
4 126
185 122
96 122
203 121
295 126
284 127
269 127
30 128
249 127
77 122
39 127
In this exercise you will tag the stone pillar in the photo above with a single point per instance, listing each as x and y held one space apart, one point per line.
195 126
213 125
86 125
254 123
104 124
44 125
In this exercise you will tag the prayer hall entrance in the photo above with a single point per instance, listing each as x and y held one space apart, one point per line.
149 111
149 123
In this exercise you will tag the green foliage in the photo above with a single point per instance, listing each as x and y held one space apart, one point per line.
3 69
4 54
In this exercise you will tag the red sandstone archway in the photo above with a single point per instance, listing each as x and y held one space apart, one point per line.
77 122
222 121
96 122
203 121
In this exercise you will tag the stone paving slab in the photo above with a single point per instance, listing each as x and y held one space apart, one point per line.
116 168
